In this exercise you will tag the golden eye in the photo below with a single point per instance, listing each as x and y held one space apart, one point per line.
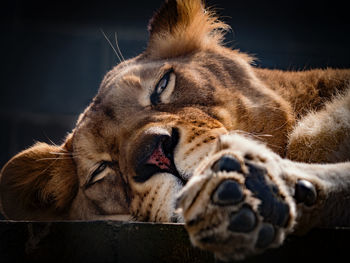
160 87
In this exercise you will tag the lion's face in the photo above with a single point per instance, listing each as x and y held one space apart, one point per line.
153 121
160 119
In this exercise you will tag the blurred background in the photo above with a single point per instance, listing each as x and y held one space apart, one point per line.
54 55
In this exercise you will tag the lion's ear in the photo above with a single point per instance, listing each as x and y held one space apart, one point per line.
183 26
38 183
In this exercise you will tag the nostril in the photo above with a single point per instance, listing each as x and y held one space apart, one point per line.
148 145
154 154
159 159
169 143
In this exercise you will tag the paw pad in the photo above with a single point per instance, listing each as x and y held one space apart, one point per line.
272 208
266 236
228 193
247 211
228 164
242 221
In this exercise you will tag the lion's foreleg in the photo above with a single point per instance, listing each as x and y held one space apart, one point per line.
327 199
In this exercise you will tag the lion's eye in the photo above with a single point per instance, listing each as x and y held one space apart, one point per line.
97 173
160 87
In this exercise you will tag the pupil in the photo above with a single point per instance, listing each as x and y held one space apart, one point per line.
163 83
161 86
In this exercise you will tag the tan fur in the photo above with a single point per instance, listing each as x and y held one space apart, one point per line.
212 92
187 21
323 136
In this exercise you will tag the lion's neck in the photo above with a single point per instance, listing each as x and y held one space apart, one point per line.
306 90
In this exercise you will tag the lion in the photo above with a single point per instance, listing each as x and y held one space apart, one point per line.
189 131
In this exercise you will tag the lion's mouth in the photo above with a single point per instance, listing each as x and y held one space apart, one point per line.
157 156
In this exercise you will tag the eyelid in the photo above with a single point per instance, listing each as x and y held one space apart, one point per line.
96 172
165 72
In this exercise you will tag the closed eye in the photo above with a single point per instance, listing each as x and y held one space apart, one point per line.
161 86
98 174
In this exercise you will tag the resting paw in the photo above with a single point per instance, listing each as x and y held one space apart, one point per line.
237 204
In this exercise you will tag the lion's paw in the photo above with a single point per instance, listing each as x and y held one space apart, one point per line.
236 205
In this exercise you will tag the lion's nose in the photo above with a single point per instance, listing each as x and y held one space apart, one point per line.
155 153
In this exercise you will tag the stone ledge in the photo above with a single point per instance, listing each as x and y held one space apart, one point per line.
111 241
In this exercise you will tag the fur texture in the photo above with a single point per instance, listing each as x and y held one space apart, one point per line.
165 117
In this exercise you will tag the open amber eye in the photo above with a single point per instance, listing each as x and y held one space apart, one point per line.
160 87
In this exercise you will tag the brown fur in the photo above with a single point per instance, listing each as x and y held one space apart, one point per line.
306 90
49 184
212 91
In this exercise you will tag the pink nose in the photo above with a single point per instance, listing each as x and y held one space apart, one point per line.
159 158
155 154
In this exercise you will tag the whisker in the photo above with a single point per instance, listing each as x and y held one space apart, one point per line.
117 45
54 158
263 135
48 167
110 43
66 153
48 138
62 153
257 136
280 127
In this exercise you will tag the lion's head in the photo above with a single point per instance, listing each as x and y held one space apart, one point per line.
154 120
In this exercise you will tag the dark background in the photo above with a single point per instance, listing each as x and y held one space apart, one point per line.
53 54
